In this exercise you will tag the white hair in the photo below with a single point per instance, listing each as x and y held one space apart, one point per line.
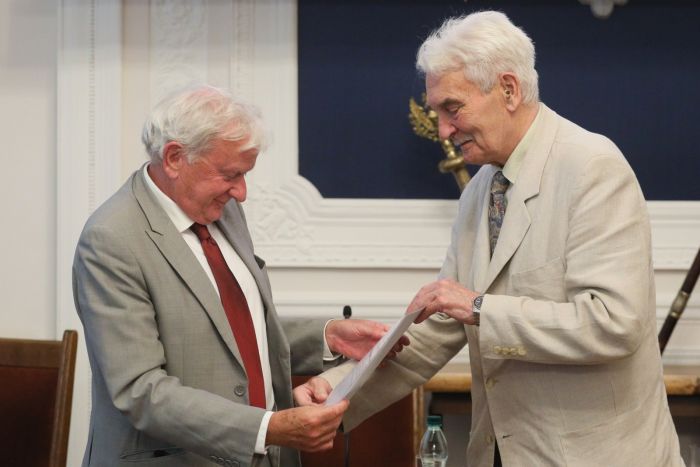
483 44
196 117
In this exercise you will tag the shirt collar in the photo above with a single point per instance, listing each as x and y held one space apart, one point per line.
515 161
176 215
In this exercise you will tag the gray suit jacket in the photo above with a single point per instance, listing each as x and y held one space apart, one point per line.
168 383
565 365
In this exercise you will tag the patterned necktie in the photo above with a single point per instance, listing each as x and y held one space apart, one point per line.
238 314
497 207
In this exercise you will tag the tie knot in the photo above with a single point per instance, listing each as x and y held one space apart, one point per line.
499 183
201 231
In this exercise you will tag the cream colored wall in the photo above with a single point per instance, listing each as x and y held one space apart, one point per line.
28 140
136 101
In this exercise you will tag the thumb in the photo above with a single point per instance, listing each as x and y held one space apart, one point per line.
340 407
320 388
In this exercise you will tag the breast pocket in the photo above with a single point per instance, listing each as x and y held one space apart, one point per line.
543 282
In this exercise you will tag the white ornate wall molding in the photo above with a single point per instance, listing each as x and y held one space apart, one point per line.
294 226
178 45
240 77
88 143
675 227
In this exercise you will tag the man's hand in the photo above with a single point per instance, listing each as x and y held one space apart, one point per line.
314 392
309 428
355 337
445 296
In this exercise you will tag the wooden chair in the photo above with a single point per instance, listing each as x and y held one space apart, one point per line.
389 438
36 391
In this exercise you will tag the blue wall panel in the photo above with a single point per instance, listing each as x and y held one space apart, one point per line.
631 77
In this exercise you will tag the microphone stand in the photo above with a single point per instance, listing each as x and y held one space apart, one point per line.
679 303
347 313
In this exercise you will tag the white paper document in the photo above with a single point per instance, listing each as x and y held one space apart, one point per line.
364 368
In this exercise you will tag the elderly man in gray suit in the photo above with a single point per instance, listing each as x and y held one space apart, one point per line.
191 366
548 277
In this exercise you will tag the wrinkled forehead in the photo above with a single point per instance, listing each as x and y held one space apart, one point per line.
450 86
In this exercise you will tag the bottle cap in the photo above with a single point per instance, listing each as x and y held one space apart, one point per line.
435 420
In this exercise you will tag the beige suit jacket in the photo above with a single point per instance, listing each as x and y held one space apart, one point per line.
565 364
168 384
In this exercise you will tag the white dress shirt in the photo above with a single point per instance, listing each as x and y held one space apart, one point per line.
183 223
515 160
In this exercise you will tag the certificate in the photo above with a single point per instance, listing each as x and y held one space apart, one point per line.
364 368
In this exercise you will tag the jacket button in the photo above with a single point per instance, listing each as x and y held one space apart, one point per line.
239 390
490 439
490 383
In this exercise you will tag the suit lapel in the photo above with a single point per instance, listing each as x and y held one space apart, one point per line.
517 219
233 225
178 254
234 228
482 249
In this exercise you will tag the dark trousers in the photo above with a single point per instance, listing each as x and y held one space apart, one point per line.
497 458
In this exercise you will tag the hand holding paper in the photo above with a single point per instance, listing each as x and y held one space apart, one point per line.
355 337
361 373
314 392
445 296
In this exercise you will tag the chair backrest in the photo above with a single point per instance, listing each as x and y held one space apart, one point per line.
389 438
36 391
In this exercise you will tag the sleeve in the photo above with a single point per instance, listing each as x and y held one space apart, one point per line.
113 301
607 279
306 343
449 265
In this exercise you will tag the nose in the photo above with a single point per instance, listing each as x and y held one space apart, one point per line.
238 190
445 128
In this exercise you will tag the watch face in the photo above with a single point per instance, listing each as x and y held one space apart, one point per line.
477 302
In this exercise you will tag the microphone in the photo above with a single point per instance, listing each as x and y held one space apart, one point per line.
347 313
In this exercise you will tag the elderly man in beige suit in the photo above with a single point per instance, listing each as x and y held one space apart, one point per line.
548 277
191 366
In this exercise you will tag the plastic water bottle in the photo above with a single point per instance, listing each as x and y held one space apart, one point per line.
433 447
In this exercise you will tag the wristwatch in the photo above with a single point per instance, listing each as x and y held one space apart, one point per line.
476 309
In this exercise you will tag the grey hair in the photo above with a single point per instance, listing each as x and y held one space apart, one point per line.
483 44
196 117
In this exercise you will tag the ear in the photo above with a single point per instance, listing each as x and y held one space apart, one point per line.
174 157
509 85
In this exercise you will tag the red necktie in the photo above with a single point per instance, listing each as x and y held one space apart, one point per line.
238 314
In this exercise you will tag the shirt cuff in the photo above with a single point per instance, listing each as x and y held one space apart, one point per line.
328 356
260 447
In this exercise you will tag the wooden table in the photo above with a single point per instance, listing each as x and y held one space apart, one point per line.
451 384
